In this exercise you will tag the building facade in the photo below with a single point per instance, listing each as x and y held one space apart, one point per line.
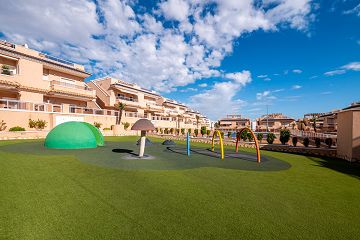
232 123
274 122
142 103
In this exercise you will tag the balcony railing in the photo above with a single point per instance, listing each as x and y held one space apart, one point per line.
29 106
127 98
52 108
71 85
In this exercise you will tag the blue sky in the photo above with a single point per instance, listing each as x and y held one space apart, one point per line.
220 57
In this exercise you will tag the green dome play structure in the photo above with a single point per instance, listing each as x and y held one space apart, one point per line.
74 135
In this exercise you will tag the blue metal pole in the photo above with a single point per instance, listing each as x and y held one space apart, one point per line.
188 144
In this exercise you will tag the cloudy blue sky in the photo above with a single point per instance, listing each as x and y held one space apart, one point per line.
218 56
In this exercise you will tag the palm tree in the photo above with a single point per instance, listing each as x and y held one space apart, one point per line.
178 122
197 121
121 107
314 123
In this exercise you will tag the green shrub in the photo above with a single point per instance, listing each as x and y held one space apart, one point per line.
16 129
229 134
126 125
294 141
97 124
196 132
203 130
259 136
329 142
166 131
208 132
38 124
177 131
270 138
183 131
2 125
222 135
244 135
32 123
306 142
284 136
249 136
317 142
189 130
172 130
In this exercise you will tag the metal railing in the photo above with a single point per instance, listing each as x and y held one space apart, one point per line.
127 98
303 134
70 85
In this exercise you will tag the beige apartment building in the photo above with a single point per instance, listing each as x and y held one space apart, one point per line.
35 86
143 103
232 123
274 122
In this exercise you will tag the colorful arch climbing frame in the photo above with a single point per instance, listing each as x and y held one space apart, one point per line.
217 132
238 135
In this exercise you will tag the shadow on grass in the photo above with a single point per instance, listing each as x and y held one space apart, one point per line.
121 150
340 165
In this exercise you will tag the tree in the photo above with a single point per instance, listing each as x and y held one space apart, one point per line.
189 130
294 141
259 136
270 138
314 123
126 125
171 130
222 135
120 106
217 124
317 142
208 132
196 132
244 135
329 142
306 142
203 130
249 136
229 134
183 131
166 130
284 136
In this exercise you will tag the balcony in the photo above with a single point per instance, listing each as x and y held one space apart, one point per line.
7 70
128 100
29 106
72 88
154 106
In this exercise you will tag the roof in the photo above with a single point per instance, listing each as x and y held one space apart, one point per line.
143 125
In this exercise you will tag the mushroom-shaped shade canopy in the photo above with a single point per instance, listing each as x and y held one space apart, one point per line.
143 125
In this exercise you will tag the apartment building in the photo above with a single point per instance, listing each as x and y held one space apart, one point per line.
36 85
274 122
143 103
232 123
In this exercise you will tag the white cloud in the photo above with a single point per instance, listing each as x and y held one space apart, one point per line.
262 76
262 95
297 71
110 38
326 93
335 72
267 79
355 10
355 66
175 9
296 87
241 78
224 93
203 85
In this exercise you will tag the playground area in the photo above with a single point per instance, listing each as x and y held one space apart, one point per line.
108 192
123 155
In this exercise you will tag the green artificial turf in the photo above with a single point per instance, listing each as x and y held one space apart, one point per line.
54 196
